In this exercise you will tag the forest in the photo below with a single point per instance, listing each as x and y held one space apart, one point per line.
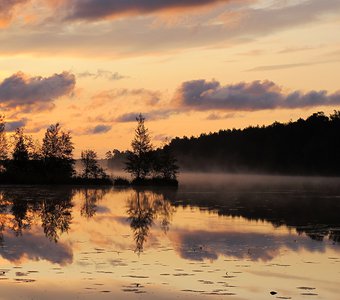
303 147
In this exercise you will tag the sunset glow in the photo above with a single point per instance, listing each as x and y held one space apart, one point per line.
189 66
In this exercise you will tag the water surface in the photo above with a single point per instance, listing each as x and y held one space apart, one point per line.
216 237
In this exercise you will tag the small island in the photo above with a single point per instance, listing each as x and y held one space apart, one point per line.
148 167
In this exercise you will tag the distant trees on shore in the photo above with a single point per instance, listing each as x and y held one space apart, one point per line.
25 160
302 147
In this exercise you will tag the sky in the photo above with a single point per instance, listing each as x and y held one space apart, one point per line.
189 66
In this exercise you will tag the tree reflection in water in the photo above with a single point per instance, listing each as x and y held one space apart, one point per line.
22 220
56 217
143 207
19 210
90 198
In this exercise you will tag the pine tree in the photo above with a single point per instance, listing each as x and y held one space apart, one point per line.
139 162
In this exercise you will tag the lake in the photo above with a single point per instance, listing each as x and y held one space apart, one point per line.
215 237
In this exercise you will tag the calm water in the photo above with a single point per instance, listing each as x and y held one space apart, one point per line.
216 237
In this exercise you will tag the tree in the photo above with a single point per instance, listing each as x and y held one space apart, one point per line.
91 168
21 146
165 164
3 142
57 151
108 155
139 161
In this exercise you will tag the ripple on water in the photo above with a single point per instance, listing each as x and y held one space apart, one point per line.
206 281
26 280
182 274
305 288
136 276
136 288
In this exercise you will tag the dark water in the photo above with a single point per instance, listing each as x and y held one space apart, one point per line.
221 237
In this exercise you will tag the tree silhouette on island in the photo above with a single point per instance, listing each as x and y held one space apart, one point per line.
147 166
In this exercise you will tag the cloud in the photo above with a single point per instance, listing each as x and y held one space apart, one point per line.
299 49
99 129
150 116
147 97
290 66
102 74
215 116
280 67
34 93
101 9
35 247
199 245
7 8
223 26
13 125
256 95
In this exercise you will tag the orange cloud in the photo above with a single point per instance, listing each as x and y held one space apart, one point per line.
95 10
7 8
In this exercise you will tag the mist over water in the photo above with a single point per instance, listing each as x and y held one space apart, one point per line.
217 235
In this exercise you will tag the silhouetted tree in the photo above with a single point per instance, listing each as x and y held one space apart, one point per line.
57 151
21 146
108 155
91 168
139 161
165 164
3 141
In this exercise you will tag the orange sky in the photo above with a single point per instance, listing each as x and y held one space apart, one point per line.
188 66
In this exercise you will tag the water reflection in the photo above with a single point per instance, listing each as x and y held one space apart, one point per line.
21 208
313 214
90 198
143 208
218 239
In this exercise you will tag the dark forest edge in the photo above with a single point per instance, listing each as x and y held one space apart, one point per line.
303 147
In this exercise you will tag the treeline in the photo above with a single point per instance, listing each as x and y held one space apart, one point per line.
304 147
24 160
